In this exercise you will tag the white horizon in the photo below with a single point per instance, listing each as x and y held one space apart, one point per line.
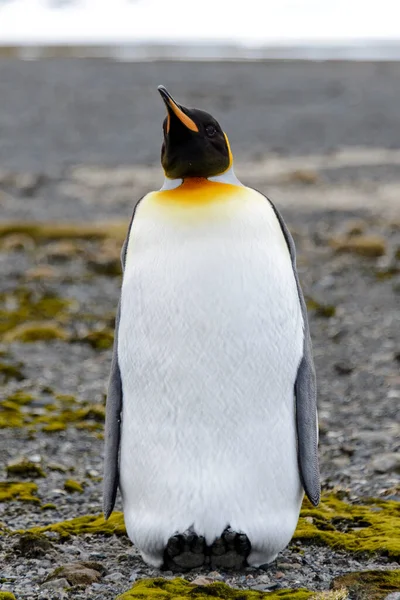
278 23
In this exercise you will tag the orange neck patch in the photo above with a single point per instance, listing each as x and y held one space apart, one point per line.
199 191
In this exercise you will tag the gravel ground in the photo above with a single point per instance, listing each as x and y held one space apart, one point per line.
333 202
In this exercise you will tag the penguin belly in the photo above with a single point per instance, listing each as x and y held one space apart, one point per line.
210 340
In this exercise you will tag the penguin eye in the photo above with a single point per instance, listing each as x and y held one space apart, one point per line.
210 130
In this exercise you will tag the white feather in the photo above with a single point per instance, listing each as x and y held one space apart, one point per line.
210 339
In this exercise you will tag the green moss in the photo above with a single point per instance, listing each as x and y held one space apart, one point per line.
72 486
43 232
178 589
369 585
321 310
370 527
94 524
20 398
369 246
48 506
360 528
25 468
54 427
65 411
7 596
101 339
14 490
10 371
36 332
30 308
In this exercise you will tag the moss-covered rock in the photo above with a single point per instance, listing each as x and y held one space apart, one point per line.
178 589
36 332
94 524
100 339
16 490
358 528
340 594
65 411
9 372
7 596
24 307
370 246
25 468
32 545
369 585
43 232
320 309
79 573
370 527
70 485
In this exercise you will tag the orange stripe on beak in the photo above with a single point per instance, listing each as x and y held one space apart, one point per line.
178 112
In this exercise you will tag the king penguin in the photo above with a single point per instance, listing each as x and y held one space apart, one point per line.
211 417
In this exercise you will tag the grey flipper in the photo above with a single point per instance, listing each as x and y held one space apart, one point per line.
305 393
112 433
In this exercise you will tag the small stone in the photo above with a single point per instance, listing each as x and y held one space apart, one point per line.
201 580
279 575
393 596
56 584
264 579
343 367
114 577
386 463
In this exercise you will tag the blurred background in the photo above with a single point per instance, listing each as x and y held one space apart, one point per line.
308 93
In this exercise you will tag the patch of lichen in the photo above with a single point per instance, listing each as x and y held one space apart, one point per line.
7 596
94 524
320 309
100 339
44 232
178 589
25 468
72 486
65 411
26 316
42 331
369 585
371 527
16 490
10 371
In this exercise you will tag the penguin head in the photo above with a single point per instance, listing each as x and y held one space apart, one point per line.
194 144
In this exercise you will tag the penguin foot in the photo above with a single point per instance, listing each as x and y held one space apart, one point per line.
184 551
229 551
187 550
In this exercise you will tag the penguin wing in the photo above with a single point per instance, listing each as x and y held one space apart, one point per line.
305 393
112 434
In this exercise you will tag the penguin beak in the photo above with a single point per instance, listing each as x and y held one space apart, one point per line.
174 108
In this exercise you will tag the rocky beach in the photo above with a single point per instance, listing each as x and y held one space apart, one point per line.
79 146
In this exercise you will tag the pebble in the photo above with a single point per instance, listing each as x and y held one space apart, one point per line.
56 584
114 576
393 596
